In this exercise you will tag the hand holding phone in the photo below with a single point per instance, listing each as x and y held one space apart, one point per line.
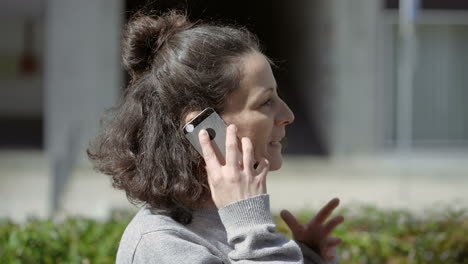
231 182
232 175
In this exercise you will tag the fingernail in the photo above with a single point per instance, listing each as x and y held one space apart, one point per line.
203 133
233 127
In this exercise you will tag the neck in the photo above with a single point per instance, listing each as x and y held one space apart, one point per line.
210 204
207 203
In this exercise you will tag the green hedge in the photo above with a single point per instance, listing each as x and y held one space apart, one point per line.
370 236
378 236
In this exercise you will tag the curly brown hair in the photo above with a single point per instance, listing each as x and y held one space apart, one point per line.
176 67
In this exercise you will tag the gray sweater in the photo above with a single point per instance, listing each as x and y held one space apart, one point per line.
242 232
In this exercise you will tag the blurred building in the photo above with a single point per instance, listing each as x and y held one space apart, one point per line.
60 69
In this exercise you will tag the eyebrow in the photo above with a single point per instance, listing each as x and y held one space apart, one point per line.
270 89
264 91
267 90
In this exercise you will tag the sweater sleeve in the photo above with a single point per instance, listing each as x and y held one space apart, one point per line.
251 231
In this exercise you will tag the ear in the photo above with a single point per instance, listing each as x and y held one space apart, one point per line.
191 115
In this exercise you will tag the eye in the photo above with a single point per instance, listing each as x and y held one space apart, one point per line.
267 102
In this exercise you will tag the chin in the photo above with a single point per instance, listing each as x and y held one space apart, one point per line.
276 163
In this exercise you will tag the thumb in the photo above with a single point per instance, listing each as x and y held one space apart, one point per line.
291 221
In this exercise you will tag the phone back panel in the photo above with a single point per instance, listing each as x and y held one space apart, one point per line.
216 129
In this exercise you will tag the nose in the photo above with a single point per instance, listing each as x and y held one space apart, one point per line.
285 115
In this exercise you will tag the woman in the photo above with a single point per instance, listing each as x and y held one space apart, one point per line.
200 209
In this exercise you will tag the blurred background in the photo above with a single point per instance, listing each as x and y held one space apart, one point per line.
379 91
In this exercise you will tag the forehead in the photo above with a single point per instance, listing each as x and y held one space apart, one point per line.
257 77
256 71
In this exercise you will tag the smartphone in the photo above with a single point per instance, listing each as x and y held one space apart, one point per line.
209 120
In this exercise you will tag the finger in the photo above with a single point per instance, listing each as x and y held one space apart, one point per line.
232 153
332 224
247 153
263 166
333 242
209 154
326 211
329 255
291 221
264 169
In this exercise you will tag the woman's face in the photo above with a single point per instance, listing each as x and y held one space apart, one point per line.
257 111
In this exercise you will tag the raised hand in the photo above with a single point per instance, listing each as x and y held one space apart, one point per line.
316 234
234 180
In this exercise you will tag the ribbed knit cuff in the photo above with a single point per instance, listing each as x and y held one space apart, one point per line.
252 211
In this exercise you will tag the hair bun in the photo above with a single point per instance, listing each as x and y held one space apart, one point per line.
145 35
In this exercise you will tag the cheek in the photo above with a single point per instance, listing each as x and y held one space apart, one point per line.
257 127
260 133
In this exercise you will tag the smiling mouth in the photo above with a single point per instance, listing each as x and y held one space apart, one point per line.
276 142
